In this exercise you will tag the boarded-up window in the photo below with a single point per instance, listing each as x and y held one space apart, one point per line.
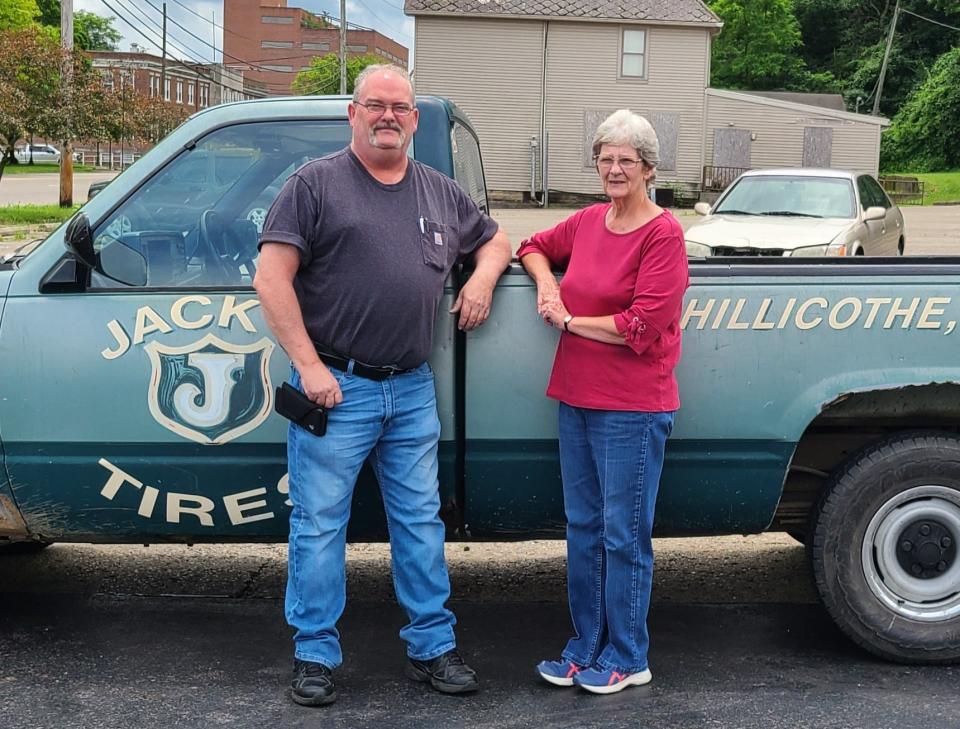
634 55
277 19
731 148
817 146
666 125
315 46
276 44
357 49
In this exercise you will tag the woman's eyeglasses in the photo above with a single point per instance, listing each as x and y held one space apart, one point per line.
627 164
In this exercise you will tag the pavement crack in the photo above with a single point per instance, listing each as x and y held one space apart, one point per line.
251 580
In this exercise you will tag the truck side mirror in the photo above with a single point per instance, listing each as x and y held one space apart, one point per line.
79 240
116 260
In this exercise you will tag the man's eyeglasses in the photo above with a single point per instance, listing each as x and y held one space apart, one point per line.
627 164
377 108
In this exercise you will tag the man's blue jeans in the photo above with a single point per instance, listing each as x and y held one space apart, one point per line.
393 423
611 463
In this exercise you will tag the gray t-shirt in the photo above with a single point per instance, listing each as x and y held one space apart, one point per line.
373 257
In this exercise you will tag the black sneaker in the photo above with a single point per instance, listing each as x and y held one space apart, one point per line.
447 673
312 684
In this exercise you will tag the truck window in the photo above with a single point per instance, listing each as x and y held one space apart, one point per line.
467 164
197 221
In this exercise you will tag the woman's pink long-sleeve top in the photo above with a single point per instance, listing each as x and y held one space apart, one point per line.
640 278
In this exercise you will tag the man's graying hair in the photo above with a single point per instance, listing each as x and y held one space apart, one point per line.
375 68
625 128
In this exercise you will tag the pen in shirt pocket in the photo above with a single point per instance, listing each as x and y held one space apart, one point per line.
423 228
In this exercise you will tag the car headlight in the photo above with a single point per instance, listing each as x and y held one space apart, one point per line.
698 250
833 249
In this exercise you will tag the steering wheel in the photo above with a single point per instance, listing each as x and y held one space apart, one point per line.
212 240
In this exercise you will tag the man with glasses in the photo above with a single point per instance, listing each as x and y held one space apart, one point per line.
354 254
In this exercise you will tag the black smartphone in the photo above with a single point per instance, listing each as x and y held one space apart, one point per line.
297 407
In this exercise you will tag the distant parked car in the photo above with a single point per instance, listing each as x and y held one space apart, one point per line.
799 212
39 152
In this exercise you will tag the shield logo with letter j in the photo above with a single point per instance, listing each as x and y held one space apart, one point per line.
210 391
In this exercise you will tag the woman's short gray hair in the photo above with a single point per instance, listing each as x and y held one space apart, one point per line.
378 68
623 127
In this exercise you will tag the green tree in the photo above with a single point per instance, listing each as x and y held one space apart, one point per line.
847 38
93 32
18 13
758 46
323 76
924 134
32 98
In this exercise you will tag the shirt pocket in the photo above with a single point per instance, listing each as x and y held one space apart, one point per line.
436 242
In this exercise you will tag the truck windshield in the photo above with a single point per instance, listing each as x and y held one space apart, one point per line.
790 195
198 219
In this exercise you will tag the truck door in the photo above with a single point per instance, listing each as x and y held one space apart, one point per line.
137 404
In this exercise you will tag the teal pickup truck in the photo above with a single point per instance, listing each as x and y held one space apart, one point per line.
820 397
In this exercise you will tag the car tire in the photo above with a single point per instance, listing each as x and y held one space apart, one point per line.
901 246
884 548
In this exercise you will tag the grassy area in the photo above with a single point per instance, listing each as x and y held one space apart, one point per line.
38 167
938 187
32 214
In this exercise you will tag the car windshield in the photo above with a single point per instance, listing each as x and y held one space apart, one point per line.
790 195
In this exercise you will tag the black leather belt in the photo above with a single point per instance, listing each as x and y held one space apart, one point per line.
369 372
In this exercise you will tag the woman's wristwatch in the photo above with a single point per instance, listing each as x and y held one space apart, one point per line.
566 322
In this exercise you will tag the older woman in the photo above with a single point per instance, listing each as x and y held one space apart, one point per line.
618 310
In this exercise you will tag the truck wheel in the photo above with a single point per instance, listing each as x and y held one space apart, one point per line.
14 548
884 548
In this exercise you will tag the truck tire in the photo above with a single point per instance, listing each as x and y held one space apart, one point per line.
15 548
884 548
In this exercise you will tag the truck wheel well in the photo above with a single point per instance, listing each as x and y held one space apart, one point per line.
849 424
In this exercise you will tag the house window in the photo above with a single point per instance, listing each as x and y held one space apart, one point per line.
166 89
154 86
204 95
179 92
107 79
633 60
190 94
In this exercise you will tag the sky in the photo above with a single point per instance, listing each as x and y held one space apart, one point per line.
140 21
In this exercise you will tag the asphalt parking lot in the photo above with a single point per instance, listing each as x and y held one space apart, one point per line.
127 636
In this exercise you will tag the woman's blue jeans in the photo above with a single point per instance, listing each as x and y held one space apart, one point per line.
393 423
611 463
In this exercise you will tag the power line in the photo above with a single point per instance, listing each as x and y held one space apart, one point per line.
929 20
180 62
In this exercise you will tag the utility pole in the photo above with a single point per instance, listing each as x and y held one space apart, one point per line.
66 81
343 46
163 57
219 70
886 57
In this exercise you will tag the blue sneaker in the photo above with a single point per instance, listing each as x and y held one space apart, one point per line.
599 681
559 673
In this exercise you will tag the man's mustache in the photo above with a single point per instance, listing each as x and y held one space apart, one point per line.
388 125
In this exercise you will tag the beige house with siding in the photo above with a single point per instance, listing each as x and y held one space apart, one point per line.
537 76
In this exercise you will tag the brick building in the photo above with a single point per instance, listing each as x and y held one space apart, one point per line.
193 86
271 42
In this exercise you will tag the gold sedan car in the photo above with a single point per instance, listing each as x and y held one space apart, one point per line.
799 212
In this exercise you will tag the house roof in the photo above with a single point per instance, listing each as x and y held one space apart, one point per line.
684 12
749 97
827 101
